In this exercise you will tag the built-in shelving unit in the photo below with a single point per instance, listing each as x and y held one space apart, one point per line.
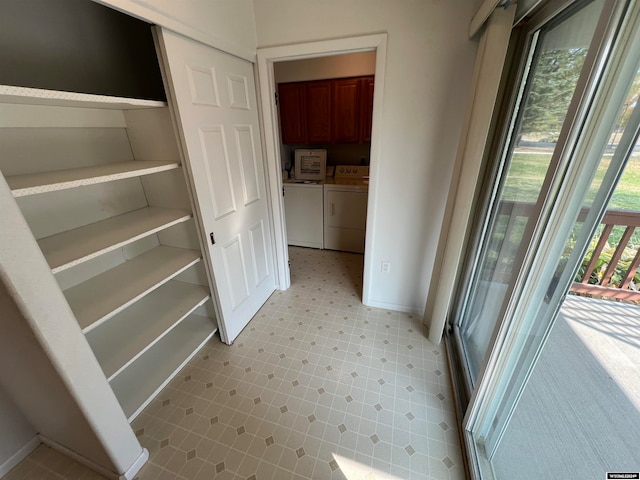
73 247
108 293
105 196
32 184
149 374
122 340
39 96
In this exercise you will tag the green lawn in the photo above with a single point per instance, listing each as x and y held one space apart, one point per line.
526 174
524 180
627 193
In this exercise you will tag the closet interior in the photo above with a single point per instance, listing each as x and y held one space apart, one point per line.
100 182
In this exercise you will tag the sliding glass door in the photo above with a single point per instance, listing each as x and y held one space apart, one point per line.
545 194
530 159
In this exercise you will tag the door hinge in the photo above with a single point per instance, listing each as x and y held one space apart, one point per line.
283 191
213 239
276 97
289 262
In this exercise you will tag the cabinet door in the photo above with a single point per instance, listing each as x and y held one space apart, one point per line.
213 96
293 125
318 101
346 110
366 109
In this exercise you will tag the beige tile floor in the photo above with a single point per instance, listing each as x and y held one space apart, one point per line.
317 386
45 463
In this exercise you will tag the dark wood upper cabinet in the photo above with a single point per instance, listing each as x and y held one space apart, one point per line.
293 115
346 110
326 111
319 111
366 108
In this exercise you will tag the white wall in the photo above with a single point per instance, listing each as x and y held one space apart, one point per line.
224 24
335 66
16 432
428 71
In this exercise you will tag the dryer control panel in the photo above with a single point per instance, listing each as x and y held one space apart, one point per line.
352 171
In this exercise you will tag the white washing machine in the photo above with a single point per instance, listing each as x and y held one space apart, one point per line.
304 212
345 209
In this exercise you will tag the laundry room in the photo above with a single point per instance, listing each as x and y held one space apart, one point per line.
325 107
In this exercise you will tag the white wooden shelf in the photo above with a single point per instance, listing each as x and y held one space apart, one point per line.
39 96
128 335
107 294
73 247
32 184
136 386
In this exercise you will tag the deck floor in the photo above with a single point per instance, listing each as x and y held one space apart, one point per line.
579 416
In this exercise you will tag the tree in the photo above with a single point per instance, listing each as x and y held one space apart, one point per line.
629 105
554 78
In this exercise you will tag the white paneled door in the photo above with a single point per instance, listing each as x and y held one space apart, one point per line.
214 99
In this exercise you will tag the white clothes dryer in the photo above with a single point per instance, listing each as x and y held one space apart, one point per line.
345 209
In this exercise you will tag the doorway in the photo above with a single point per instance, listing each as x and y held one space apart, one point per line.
267 57
325 109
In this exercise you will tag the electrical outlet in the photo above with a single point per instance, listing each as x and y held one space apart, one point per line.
386 266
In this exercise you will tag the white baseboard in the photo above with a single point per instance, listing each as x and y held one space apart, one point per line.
395 307
136 466
20 455
128 475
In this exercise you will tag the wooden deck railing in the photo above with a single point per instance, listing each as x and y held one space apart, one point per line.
604 288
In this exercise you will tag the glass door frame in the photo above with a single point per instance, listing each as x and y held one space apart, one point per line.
524 39
480 401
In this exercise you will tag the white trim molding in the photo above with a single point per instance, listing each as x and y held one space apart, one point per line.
396 307
484 13
20 455
145 10
490 60
131 472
